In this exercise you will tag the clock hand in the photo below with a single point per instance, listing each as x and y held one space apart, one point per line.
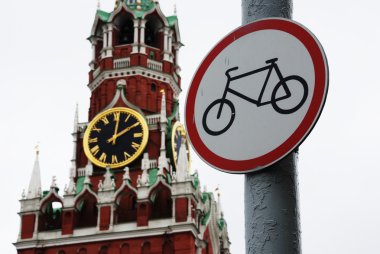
114 134
114 137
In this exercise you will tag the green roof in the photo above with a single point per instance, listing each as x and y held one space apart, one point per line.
139 10
104 16
221 223
172 20
206 197
196 180
152 176
80 183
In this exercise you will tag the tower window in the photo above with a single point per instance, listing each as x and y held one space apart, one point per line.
151 55
103 250
125 29
153 87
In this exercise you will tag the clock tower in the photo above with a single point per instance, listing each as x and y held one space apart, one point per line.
131 187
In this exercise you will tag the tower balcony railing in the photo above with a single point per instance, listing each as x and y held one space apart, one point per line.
154 65
122 63
153 119
153 164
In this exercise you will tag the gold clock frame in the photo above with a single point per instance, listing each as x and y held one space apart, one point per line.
178 125
98 118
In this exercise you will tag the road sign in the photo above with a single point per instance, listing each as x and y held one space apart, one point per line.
257 95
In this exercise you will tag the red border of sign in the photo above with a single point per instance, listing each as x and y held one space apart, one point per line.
319 96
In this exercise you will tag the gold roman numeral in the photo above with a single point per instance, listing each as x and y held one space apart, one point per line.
93 140
96 129
105 120
114 159
137 135
103 157
135 145
116 116
126 155
128 116
95 150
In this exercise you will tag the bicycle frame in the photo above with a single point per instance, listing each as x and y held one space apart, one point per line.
272 65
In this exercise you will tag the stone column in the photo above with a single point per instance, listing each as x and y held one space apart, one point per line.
105 41
166 44
142 36
135 48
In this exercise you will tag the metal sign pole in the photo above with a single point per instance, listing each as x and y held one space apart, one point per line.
271 206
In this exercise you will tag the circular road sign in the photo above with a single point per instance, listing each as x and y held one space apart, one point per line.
257 95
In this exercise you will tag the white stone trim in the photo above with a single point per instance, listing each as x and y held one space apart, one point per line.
120 231
142 36
133 71
121 63
154 65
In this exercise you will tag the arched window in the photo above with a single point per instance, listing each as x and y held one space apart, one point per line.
127 207
126 33
125 29
153 30
103 250
87 211
153 87
145 248
161 203
151 55
51 216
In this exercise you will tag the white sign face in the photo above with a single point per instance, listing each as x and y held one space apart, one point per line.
256 95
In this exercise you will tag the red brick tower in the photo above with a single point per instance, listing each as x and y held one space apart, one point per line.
130 188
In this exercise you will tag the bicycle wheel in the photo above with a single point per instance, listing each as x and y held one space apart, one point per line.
291 102
221 124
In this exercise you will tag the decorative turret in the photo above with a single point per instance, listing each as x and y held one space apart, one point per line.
163 160
34 190
182 172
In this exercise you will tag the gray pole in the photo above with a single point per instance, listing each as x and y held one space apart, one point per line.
271 207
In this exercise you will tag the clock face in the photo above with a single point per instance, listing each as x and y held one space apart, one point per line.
178 138
115 137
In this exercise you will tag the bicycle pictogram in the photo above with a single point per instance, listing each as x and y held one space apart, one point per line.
276 96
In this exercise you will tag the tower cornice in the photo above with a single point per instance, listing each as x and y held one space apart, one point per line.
133 72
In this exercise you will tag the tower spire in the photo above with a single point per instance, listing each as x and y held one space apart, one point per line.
162 160
219 204
182 173
116 4
73 167
34 189
76 118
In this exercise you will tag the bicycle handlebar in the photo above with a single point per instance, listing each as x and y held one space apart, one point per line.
273 60
231 69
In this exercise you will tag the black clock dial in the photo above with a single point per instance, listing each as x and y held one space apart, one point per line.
116 137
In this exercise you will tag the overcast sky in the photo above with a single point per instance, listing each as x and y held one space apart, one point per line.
44 63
